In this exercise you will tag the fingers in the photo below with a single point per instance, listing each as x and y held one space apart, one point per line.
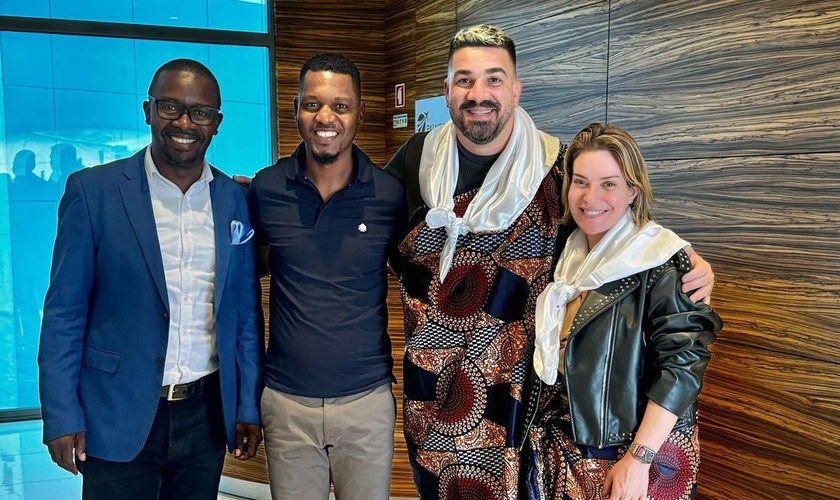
243 447
254 441
704 293
68 460
605 491
61 452
700 280
239 439
248 438
247 450
698 277
81 446
254 436
698 285
242 179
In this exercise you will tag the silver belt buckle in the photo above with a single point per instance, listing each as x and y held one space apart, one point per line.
170 394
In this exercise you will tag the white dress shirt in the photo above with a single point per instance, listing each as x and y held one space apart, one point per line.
185 232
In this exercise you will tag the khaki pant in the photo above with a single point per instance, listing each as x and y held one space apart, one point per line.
312 441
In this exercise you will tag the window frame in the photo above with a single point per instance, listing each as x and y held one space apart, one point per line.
51 26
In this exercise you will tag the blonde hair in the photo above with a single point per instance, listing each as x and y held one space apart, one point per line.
625 151
482 35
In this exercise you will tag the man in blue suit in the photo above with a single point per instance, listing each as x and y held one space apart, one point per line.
152 339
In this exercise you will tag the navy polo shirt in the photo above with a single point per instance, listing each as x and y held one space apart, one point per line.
327 315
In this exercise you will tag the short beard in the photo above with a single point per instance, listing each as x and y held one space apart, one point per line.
180 161
324 158
479 132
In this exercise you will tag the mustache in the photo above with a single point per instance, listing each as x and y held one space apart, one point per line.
475 104
171 129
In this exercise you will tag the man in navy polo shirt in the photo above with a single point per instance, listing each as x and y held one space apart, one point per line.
326 220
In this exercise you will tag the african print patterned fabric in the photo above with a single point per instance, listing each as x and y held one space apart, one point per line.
469 344
558 469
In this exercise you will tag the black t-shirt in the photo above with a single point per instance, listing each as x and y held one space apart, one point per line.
472 169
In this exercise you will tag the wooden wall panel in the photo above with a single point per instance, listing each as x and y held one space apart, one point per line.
431 72
357 30
508 15
562 62
434 28
435 25
417 48
402 484
769 426
771 226
735 105
696 79
416 55
400 48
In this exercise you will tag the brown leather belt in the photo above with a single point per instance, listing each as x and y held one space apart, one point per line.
179 392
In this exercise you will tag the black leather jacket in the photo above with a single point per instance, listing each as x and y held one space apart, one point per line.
633 340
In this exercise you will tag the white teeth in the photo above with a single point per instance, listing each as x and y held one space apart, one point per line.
593 212
326 133
181 140
482 112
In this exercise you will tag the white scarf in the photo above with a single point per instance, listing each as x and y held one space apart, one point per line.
507 190
623 251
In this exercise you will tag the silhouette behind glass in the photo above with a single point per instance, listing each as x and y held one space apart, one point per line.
32 223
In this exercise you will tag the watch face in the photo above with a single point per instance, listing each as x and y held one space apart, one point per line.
642 453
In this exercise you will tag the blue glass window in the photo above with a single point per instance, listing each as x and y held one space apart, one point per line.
69 102
235 15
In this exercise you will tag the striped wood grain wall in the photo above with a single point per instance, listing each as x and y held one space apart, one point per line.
736 107
356 29
736 104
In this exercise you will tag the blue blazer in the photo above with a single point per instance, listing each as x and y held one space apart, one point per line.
106 314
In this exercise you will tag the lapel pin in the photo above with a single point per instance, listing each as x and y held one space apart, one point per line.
362 228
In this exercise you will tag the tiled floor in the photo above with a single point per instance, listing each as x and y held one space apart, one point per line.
29 474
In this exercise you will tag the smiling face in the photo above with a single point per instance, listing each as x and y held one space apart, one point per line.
482 92
181 144
598 194
328 112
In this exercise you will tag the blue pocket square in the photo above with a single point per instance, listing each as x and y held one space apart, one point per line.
239 233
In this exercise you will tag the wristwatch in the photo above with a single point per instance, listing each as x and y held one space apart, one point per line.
642 453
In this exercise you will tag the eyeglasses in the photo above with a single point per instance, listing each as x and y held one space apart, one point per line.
172 110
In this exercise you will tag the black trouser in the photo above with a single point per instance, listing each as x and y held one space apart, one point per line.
181 460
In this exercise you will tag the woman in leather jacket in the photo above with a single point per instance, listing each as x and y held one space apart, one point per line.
620 349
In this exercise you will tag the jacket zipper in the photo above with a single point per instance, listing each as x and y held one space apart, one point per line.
533 415
607 363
